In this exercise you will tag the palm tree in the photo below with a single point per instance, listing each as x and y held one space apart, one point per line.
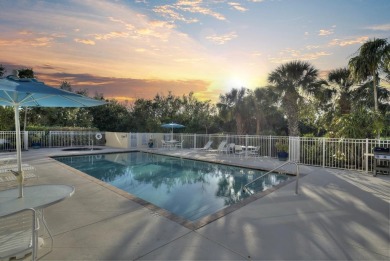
343 83
233 105
369 62
293 81
264 101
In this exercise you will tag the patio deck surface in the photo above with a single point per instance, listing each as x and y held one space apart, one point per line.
337 215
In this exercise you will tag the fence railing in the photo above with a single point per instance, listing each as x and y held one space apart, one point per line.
51 139
354 154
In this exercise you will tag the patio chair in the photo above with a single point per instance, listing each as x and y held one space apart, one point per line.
179 144
254 152
19 234
238 150
14 167
229 148
207 146
221 146
164 144
9 179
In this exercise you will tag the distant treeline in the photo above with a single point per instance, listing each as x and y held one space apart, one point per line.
352 102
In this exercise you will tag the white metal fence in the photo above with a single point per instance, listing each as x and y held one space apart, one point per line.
354 154
51 139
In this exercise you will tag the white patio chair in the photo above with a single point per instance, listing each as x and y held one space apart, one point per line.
9 180
254 152
164 144
179 144
238 150
19 234
229 149
207 146
221 146
14 167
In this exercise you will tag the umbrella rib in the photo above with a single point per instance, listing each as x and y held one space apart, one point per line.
10 101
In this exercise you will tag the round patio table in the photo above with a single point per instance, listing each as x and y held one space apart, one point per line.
36 197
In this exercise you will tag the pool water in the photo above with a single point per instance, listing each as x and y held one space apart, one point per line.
187 188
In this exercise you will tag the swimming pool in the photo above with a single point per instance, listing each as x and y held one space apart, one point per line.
187 188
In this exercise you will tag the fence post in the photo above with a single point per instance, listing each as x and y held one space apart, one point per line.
195 141
366 154
25 138
323 152
246 145
269 146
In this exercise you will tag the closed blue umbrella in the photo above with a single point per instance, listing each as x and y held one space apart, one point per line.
17 92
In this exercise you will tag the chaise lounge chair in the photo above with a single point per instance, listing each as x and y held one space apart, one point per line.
222 146
207 146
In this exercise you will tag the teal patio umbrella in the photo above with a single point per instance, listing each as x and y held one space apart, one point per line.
17 92
172 126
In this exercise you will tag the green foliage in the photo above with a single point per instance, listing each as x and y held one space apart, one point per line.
235 105
357 125
294 82
281 146
297 103
369 62
111 117
2 70
58 128
7 119
26 73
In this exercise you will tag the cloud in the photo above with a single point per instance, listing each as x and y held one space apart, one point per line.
84 41
111 35
379 27
222 39
324 32
35 42
175 12
25 32
291 54
125 88
237 6
311 47
347 42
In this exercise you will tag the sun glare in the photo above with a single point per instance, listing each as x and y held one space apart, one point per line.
236 82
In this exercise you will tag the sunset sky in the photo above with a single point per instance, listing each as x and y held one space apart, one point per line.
135 49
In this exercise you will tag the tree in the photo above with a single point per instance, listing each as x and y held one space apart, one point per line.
111 117
26 73
234 105
342 88
294 82
264 106
2 70
66 86
370 62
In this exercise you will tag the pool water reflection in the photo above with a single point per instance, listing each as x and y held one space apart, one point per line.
187 188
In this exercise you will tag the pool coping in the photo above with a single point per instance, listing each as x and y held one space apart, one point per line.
192 225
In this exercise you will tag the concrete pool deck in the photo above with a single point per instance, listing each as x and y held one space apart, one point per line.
337 215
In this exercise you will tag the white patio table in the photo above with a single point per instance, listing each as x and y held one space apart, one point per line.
172 143
37 197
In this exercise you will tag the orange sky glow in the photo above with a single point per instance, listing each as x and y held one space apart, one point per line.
137 49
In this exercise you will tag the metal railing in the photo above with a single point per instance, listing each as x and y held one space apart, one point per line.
353 154
51 139
245 189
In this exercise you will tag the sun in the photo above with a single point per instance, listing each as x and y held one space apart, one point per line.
236 82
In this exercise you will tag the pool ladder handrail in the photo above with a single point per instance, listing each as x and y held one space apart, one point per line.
272 170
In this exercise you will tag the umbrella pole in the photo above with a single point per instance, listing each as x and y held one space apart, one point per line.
18 150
